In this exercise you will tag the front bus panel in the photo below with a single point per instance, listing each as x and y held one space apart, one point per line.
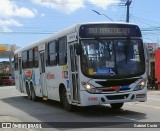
112 64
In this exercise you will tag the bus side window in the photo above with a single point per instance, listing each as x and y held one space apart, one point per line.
25 59
62 51
52 54
16 62
35 57
46 54
30 60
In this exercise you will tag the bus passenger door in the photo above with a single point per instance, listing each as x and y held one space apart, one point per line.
20 74
74 77
42 74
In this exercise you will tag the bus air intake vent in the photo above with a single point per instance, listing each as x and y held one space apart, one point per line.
116 82
117 97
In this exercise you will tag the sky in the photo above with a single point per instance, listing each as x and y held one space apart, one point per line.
25 21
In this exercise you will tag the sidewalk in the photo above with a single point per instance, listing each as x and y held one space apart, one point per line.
153 92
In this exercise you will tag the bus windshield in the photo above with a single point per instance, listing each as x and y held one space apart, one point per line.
110 58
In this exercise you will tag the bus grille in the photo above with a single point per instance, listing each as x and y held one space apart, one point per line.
117 82
117 97
111 90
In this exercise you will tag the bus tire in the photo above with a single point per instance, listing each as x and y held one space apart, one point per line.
33 94
116 106
28 92
65 103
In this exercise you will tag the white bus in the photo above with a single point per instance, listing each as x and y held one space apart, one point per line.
84 65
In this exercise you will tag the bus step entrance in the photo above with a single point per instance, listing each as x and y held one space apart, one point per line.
45 98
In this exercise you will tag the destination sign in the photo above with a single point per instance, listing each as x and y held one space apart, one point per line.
109 31
104 30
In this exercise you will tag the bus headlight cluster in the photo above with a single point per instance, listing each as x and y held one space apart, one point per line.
90 88
141 85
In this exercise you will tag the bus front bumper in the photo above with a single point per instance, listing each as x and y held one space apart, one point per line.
88 99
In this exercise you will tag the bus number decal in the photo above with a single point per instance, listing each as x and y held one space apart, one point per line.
92 98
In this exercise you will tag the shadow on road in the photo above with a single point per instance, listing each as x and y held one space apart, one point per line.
52 111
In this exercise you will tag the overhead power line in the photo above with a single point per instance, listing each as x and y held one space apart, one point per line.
63 2
21 32
145 21
52 32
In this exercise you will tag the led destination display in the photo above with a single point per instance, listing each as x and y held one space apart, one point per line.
104 30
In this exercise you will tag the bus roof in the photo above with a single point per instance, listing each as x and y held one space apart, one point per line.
62 33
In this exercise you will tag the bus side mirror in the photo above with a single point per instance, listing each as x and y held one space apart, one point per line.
78 49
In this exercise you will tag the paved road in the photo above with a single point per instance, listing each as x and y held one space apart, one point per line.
15 107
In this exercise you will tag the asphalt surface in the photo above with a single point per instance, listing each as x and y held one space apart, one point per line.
15 107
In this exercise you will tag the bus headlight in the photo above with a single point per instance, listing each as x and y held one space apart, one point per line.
90 88
141 85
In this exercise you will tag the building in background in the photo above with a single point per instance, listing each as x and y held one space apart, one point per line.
151 47
152 71
6 58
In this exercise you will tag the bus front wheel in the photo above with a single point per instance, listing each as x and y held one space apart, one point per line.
116 106
29 93
33 94
67 106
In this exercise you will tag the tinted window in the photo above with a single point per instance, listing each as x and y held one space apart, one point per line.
52 53
24 59
16 62
30 61
62 51
35 57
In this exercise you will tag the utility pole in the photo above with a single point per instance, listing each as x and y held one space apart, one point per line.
128 3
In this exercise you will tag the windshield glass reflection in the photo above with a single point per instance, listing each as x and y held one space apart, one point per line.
112 58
